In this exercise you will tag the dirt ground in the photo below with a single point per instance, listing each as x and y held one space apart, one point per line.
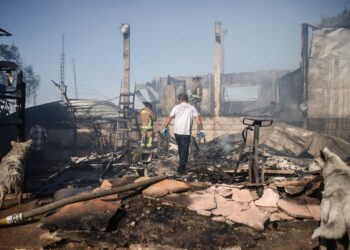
154 223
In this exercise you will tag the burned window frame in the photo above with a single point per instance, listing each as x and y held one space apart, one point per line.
239 85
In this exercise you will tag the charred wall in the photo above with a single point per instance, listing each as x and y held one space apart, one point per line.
249 93
290 96
329 82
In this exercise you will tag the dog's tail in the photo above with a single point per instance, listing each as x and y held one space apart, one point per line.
13 173
330 231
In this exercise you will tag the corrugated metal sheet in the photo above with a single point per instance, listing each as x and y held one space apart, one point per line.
329 74
57 114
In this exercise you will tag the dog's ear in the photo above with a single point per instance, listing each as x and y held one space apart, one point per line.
13 143
325 153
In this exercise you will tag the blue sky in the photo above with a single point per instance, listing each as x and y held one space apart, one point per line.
167 37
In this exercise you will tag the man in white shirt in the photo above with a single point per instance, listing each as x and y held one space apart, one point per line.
183 115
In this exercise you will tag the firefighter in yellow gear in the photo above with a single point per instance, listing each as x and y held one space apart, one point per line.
196 93
148 117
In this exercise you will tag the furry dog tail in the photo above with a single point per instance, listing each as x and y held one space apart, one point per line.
330 231
13 174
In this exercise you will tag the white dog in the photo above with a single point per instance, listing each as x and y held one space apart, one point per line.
335 204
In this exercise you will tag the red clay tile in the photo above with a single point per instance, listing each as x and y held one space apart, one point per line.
199 201
253 217
226 207
86 215
241 195
164 187
313 205
155 191
219 218
294 207
280 216
204 213
106 184
268 199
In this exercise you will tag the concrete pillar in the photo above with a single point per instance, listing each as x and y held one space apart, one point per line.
217 77
305 66
125 29
217 69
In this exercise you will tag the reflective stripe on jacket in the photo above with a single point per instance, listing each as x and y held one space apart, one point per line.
147 117
197 93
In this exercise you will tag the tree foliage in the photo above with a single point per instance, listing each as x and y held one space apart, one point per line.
334 21
32 80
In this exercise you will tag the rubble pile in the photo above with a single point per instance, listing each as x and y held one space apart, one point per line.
223 147
249 205
209 197
279 162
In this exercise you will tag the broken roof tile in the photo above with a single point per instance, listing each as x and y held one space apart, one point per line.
224 191
155 191
280 216
219 218
164 187
227 207
204 212
241 195
269 209
87 215
199 201
293 189
294 207
253 217
106 184
313 205
269 198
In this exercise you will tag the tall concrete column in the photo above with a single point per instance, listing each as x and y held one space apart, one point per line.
305 67
217 68
217 77
125 29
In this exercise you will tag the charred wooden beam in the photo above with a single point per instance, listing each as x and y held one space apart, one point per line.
17 218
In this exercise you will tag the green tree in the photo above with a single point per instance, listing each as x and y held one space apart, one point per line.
32 80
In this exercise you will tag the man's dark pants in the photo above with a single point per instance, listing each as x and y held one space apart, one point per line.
183 143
